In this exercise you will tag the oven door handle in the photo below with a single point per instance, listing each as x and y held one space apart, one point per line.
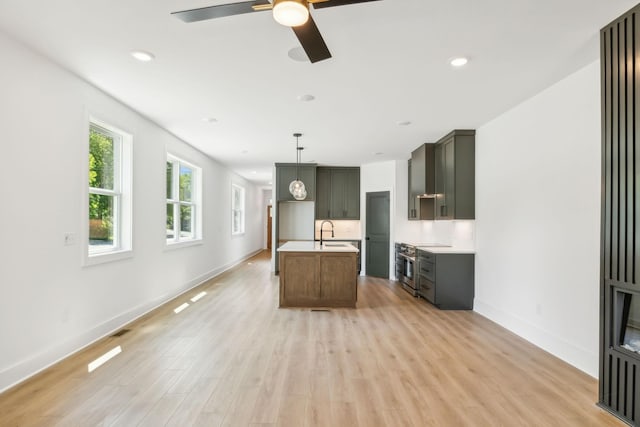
412 259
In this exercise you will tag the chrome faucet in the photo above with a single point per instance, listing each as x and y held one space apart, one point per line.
321 230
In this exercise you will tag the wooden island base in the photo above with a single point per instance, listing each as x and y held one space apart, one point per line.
318 279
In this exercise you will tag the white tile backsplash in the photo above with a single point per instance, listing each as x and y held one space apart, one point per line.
342 229
458 233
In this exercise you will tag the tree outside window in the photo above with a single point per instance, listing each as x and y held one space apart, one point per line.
182 200
104 189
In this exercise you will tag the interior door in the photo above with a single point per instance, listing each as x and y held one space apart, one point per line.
269 225
377 234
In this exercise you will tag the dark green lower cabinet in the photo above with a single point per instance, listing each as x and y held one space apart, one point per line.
446 280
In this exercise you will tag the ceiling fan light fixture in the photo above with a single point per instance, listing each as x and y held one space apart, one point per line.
290 13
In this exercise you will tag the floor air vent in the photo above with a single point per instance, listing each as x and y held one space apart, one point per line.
321 309
121 332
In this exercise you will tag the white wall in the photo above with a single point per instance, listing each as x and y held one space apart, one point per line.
296 220
50 304
538 219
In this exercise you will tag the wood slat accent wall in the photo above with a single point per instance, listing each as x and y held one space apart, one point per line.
620 261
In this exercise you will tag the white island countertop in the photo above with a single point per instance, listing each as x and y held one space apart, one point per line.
311 246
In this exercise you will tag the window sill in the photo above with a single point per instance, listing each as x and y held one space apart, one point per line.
102 258
183 244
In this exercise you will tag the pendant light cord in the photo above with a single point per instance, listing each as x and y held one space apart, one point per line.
297 159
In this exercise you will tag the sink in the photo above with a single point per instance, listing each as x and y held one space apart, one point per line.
334 245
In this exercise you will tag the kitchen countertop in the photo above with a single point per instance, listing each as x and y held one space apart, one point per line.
439 248
311 246
446 249
338 239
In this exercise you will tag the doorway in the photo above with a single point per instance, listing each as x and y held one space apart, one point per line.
377 234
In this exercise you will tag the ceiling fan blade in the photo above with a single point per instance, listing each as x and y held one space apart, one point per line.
312 41
222 10
331 3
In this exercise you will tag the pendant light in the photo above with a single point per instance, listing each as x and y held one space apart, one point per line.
296 188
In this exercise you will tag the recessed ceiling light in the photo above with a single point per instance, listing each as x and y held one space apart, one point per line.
143 56
459 62
404 123
254 172
306 98
209 119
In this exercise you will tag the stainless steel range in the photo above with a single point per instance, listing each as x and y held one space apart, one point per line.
405 266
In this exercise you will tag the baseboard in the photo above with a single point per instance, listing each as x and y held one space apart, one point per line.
578 357
25 369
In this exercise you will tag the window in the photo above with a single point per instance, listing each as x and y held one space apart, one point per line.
109 228
183 201
237 209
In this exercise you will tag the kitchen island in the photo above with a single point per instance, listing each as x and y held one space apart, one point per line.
318 275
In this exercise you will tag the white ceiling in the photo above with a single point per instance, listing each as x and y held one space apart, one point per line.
390 64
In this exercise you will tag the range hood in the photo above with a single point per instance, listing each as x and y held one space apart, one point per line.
423 175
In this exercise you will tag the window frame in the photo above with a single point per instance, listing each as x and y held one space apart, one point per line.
234 209
121 192
195 203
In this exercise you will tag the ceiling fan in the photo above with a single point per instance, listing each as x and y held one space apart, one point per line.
291 13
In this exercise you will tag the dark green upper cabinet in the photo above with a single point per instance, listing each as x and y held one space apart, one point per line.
323 192
338 193
422 183
455 176
286 172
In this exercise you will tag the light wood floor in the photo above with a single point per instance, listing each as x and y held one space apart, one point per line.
233 358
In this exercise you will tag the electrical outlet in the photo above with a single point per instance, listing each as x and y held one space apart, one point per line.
69 239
